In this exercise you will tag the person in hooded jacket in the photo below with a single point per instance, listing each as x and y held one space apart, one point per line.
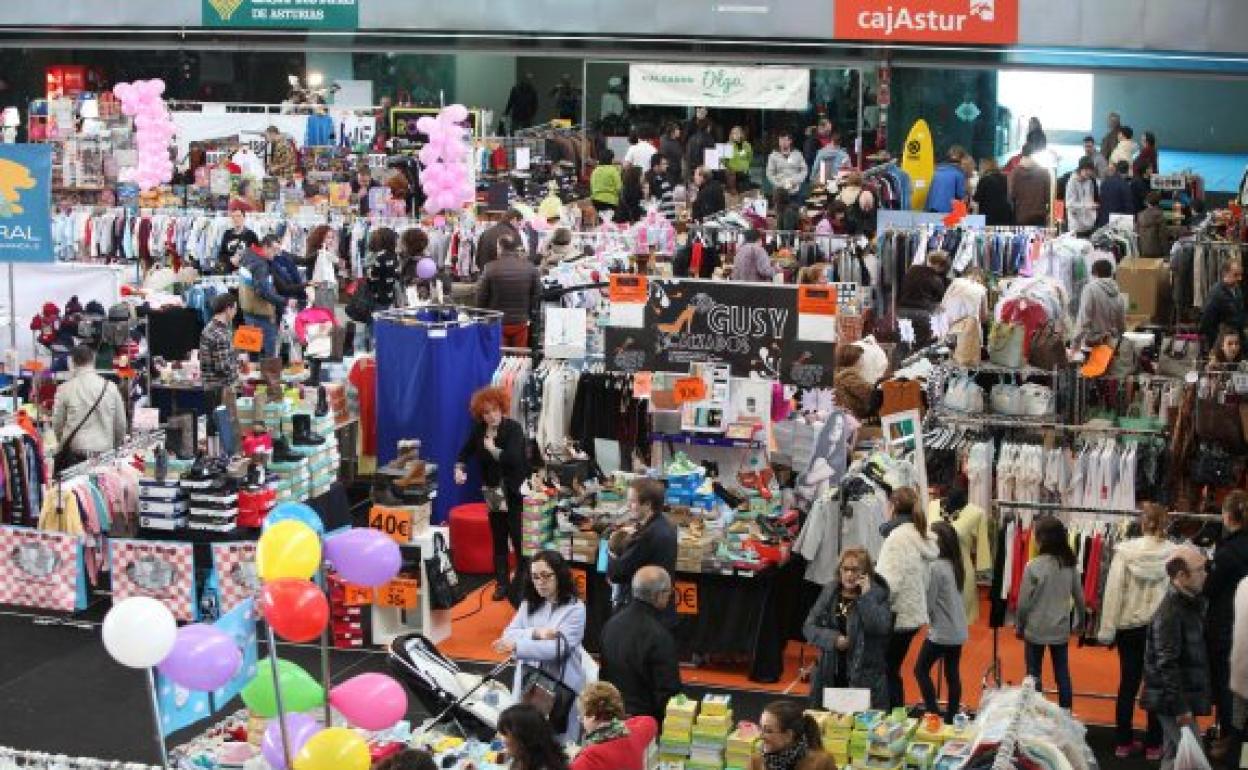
1227 568
1150 224
904 562
1102 317
1136 585
850 623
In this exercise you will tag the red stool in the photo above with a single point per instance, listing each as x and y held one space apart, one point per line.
470 539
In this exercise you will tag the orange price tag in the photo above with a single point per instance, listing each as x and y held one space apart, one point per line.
400 593
581 580
629 289
689 389
357 596
816 300
395 522
249 339
1059 210
643 384
34 365
686 597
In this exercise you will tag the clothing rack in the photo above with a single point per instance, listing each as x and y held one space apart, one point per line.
1185 515
137 443
464 315
40 760
1030 423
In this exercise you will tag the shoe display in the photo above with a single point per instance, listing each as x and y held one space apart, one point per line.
271 369
257 476
303 431
409 452
416 475
282 452
322 401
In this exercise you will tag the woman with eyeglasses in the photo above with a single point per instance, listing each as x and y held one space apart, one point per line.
850 624
790 740
547 630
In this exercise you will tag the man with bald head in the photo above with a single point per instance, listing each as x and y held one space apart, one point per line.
1176 664
638 652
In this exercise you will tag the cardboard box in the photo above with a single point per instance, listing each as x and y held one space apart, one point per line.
1146 282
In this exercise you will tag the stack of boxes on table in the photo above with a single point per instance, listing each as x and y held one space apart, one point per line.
346 621
537 523
696 739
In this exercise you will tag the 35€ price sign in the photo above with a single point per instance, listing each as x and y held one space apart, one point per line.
395 522
689 389
686 597
400 593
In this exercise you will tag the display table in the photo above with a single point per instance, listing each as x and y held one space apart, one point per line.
435 625
717 614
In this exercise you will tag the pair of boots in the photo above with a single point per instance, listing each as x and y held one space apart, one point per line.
408 465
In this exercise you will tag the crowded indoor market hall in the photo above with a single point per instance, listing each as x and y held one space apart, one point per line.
645 385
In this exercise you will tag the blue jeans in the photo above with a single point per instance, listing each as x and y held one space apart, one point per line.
1034 654
269 328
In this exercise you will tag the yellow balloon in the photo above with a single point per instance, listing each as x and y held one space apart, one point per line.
288 549
335 748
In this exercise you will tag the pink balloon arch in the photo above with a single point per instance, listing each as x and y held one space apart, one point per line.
154 130
444 173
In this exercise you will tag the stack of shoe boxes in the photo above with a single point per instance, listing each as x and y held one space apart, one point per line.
346 622
163 504
537 523
214 504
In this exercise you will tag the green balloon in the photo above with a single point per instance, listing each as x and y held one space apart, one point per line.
300 692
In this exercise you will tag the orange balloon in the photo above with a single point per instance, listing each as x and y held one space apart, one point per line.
296 609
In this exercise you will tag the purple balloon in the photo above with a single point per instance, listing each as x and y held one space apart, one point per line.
426 268
365 557
299 729
203 658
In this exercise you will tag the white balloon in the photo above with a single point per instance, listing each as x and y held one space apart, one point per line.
139 632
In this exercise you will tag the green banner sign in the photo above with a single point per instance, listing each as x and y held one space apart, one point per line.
282 14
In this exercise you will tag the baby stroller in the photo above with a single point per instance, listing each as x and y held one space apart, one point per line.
472 702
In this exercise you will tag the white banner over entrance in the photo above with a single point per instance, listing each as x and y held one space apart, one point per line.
698 85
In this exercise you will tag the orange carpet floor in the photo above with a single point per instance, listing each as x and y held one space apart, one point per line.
1094 670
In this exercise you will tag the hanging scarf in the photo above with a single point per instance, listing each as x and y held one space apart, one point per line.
613 730
787 758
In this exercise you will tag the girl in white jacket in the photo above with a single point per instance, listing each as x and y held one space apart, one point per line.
1136 585
904 562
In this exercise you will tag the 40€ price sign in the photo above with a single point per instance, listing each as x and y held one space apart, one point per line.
395 522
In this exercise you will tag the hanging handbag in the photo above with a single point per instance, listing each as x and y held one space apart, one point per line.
1006 399
968 349
547 692
444 588
1005 344
1178 356
361 304
1047 350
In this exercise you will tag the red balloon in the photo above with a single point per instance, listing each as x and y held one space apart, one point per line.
296 609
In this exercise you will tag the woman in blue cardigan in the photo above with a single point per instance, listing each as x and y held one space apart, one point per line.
547 630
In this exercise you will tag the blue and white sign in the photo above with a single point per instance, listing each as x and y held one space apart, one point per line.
26 203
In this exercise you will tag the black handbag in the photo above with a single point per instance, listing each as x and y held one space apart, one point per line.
361 305
444 588
547 692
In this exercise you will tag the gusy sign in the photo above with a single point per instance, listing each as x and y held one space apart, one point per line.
928 21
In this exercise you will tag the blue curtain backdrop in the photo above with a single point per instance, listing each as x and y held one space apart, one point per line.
425 378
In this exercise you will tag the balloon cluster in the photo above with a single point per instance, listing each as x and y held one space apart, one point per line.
444 160
154 130
140 632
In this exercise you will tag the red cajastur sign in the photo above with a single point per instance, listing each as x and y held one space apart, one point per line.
928 21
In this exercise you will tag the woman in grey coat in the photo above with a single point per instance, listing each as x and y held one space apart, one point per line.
547 630
850 624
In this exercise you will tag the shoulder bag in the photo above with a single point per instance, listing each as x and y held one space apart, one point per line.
547 692
444 588
1178 356
361 304
970 341
66 457
1047 351
1005 344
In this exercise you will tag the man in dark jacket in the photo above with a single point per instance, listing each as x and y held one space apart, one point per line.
522 103
1229 566
638 652
652 541
1224 306
262 305
922 289
671 148
710 198
487 244
512 286
1176 670
1116 194
287 278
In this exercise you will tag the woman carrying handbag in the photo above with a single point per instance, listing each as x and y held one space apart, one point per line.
545 637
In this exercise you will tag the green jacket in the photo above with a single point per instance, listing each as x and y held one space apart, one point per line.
605 184
740 159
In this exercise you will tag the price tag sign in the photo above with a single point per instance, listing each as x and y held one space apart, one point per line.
357 596
689 389
817 300
686 597
581 580
395 522
629 289
249 339
643 384
399 594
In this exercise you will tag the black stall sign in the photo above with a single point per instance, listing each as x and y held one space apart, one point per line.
751 327
403 122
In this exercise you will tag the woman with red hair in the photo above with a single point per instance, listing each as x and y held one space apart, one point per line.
497 443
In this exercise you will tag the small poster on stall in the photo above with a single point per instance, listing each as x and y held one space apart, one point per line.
161 570
565 333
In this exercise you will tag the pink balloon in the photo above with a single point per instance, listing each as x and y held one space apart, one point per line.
158 86
456 113
428 155
425 125
370 701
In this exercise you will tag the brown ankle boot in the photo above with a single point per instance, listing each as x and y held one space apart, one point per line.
415 476
271 368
